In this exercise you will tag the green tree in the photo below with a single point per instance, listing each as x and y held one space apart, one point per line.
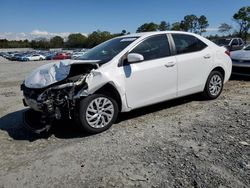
56 42
124 32
176 26
242 17
40 43
97 37
225 28
202 24
147 27
76 40
164 26
190 23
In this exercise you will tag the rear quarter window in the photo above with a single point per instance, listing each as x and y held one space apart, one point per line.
187 43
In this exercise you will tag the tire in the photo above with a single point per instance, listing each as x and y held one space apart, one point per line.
214 85
104 118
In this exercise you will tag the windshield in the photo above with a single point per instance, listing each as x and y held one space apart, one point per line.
108 50
222 42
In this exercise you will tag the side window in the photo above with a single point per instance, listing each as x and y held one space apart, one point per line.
187 43
235 42
240 42
153 47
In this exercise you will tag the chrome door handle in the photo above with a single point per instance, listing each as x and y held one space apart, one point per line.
207 56
170 64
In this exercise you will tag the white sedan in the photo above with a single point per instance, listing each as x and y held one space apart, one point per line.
76 55
126 73
34 57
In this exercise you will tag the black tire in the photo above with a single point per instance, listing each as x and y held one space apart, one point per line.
81 118
207 93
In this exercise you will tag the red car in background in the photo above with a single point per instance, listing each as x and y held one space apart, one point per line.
62 56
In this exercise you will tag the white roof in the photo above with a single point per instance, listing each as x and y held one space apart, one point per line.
155 32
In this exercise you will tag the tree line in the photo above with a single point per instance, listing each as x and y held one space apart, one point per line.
190 23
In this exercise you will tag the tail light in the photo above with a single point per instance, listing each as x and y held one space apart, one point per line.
227 52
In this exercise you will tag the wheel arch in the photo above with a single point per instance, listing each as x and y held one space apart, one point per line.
220 69
109 90
216 68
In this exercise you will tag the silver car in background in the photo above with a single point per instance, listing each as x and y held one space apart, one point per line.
241 61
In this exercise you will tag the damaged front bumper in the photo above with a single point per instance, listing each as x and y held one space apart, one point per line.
53 103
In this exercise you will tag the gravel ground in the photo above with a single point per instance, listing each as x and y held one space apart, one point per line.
187 142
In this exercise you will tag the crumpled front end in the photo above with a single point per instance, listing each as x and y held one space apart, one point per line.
53 90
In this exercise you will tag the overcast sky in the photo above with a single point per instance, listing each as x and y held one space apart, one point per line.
45 18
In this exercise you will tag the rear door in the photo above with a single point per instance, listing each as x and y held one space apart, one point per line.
193 62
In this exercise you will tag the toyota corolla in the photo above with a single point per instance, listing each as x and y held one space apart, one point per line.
126 73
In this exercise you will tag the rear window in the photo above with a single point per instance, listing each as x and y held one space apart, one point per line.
223 42
187 43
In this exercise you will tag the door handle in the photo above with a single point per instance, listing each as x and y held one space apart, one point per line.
207 56
170 64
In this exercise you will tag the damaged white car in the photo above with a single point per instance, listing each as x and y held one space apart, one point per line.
126 73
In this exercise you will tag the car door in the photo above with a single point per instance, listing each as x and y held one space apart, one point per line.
234 45
193 62
241 44
32 57
154 79
36 57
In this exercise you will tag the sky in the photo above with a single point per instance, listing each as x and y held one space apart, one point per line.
21 19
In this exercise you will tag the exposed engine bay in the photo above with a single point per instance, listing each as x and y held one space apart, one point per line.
54 89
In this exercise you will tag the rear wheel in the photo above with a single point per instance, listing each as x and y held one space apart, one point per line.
214 85
97 113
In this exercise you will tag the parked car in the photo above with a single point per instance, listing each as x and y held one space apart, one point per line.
33 57
62 56
50 55
231 43
126 73
15 56
76 55
241 61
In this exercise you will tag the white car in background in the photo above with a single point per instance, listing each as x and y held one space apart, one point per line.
76 55
34 57
241 61
126 73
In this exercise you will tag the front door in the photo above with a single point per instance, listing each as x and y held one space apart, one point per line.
154 79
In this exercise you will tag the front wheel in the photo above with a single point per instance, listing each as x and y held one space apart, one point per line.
214 85
97 113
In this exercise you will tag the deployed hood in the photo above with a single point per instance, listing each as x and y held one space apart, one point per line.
241 55
51 73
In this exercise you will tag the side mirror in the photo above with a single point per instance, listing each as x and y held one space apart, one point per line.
134 58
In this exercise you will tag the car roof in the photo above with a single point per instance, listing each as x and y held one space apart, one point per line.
156 32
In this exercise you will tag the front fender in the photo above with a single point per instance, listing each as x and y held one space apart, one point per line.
96 80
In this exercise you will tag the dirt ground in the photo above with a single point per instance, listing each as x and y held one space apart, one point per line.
187 142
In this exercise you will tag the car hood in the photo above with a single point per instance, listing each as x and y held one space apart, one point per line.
51 73
241 55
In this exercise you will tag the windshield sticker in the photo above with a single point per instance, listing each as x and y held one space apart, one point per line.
128 39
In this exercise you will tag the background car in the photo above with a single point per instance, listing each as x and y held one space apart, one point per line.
34 57
76 55
241 61
231 43
62 56
50 55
